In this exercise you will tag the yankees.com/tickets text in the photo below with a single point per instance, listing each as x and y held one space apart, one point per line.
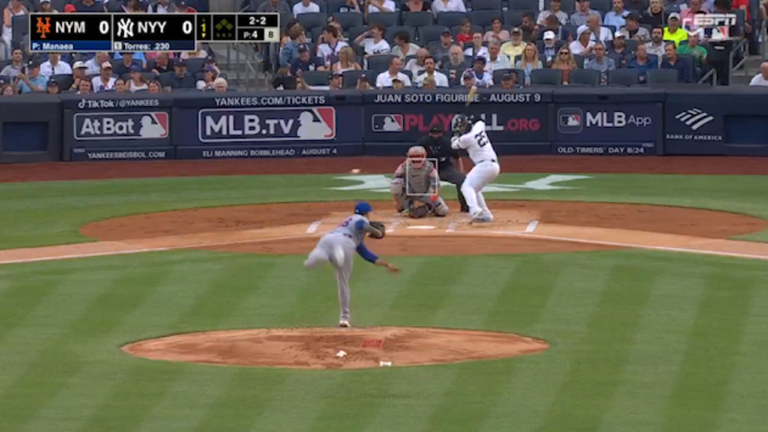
271 101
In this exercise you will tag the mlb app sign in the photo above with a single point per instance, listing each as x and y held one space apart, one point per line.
608 123
121 126
266 124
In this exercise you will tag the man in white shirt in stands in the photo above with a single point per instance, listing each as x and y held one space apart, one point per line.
599 33
161 7
453 6
373 42
403 45
330 46
94 64
429 71
54 66
761 79
554 9
496 60
379 6
305 6
385 78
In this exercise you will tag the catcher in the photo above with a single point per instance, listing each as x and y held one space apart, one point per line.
416 181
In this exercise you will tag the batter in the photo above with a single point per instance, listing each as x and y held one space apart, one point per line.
338 248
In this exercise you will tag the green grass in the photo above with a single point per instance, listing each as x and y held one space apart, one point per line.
673 349
38 214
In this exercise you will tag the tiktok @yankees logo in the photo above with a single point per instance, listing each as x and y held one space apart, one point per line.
381 182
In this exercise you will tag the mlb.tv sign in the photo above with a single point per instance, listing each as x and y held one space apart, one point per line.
711 26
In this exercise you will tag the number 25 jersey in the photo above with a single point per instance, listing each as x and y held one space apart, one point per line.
477 144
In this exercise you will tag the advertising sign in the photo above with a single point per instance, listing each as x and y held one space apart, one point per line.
253 125
150 125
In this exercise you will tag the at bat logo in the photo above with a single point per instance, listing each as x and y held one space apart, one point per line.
43 27
109 126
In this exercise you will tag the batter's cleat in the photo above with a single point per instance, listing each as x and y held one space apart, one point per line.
338 256
344 324
482 219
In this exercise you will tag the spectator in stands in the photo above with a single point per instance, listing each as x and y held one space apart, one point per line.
13 69
529 62
496 32
403 46
346 61
477 48
509 81
656 45
416 65
515 46
45 7
385 78
687 15
7 90
439 6
124 67
334 81
305 6
14 8
279 6
373 42
583 45
554 9
654 16
673 32
483 78
305 62
698 52
69 8
549 50
55 67
673 61
467 79
465 32
120 86
761 79
579 18
32 80
87 6
162 6
53 87
220 85
642 63
162 64
154 87
329 46
429 83
79 71
632 29
137 82
209 76
199 53
93 65
600 63
551 24
378 6
397 84
496 60
137 56
362 83
416 6
182 79
290 50
565 63
183 8
85 87
446 41
455 66
439 78
529 28
133 6
619 51
617 16
597 31
104 81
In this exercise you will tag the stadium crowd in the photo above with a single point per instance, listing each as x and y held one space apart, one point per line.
334 44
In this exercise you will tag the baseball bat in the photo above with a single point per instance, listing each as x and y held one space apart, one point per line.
471 95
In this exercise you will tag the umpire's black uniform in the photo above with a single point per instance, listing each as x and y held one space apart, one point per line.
439 147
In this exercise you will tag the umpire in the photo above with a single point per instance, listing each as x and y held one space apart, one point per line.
439 147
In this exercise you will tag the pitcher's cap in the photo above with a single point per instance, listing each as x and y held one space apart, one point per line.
363 208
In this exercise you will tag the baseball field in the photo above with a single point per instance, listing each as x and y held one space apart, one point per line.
609 294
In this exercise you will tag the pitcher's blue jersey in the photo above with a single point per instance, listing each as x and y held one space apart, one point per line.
355 226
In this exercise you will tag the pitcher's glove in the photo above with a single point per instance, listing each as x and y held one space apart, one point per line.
379 226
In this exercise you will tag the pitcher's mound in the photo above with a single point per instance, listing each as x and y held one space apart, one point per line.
318 348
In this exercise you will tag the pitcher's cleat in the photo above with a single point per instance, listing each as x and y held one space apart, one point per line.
344 324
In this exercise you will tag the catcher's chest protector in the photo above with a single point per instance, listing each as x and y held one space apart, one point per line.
420 179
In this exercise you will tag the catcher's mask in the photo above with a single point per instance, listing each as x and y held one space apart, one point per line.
417 156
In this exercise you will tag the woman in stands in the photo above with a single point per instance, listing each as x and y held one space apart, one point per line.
133 6
496 32
529 62
137 80
200 53
465 32
477 48
655 15
565 63
416 6
45 7
155 87
209 77
346 61
120 86
439 6
14 8
7 90
583 44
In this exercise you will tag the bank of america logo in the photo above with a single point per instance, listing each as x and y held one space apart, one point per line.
694 118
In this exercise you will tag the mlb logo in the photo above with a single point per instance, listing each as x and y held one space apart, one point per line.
317 124
570 120
387 122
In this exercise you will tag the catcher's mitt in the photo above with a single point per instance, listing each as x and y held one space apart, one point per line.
379 226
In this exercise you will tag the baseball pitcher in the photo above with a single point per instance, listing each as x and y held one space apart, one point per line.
416 181
338 248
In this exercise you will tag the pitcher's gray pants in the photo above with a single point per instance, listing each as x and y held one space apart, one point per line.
339 250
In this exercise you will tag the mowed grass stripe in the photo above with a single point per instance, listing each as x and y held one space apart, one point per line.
597 363
657 350
711 356
414 393
20 295
141 384
54 368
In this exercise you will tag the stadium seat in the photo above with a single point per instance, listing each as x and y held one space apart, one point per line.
315 78
347 20
601 5
354 32
418 19
661 76
393 30
349 78
498 73
451 19
59 4
65 81
553 77
409 74
489 5
637 5
334 6
623 77
379 61
316 32
115 6
579 59
312 19
371 75
197 64
485 17
525 5
588 77
513 18
472 29
430 33
567 6
165 78
387 19
632 45
20 30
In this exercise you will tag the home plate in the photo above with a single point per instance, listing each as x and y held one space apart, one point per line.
422 227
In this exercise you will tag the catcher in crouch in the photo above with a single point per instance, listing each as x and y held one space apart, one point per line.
416 181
